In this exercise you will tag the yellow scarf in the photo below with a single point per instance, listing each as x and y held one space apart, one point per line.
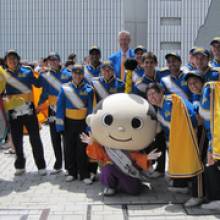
184 160
215 118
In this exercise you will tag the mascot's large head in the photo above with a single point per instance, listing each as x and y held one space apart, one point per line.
123 121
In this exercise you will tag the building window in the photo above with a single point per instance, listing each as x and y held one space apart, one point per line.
170 0
170 45
164 21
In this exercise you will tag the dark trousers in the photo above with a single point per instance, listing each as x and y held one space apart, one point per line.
56 143
160 144
56 140
198 186
183 182
31 124
198 189
212 182
93 167
76 160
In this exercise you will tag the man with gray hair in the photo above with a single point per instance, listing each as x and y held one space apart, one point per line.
118 58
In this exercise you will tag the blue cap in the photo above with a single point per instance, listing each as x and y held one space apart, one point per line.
215 40
94 48
173 54
201 50
78 69
12 52
107 63
194 73
192 50
53 56
140 47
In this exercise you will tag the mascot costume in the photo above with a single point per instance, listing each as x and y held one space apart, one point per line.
121 126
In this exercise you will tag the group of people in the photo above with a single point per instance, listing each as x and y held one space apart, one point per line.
73 90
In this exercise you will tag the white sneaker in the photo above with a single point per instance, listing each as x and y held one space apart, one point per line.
19 172
170 182
193 202
214 205
69 178
10 151
149 172
87 181
42 172
55 172
156 174
108 191
5 146
183 190
93 177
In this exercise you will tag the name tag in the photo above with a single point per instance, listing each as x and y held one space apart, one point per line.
82 93
20 75
64 77
167 113
113 90
184 83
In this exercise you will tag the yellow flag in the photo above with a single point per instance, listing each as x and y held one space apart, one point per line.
2 80
184 159
215 118
128 83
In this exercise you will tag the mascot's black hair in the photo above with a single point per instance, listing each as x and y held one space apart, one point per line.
151 112
130 64
98 106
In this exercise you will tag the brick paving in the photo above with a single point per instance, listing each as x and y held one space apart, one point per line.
33 197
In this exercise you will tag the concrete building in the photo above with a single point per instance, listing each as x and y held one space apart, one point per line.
172 25
35 27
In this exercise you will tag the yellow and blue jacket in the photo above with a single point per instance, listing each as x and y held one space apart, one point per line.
91 72
141 85
164 114
51 82
74 102
211 75
18 84
176 85
103 88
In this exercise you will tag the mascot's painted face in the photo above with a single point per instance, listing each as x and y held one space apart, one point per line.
123 121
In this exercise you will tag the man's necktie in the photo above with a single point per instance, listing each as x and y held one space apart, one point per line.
123 59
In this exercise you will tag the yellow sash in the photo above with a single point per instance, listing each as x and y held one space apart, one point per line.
184 160
76 114
215 118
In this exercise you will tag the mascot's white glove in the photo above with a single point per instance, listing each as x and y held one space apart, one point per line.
87 139
153 155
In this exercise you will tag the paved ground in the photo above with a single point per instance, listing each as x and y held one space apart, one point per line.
32 197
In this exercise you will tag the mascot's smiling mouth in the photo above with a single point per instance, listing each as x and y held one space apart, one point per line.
120 140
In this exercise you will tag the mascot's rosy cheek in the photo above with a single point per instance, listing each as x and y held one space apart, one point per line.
122 125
